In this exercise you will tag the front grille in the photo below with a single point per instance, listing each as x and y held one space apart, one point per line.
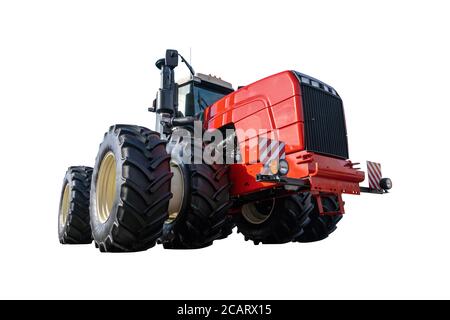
323 112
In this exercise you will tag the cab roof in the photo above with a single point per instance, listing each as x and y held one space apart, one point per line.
200 77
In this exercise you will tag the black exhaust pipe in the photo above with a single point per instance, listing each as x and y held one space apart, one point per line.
167 100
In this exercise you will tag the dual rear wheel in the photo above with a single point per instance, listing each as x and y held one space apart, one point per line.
123 202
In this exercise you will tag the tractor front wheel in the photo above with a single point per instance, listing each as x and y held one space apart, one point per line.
321 226
275 221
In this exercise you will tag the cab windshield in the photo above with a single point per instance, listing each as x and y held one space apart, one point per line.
194 98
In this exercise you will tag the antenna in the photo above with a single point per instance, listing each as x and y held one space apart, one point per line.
187 64
190 56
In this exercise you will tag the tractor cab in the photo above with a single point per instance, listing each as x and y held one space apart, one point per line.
198 92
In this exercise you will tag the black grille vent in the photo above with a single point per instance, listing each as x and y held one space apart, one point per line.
323 111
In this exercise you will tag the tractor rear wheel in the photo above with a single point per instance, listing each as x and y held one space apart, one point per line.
198 209
130 189
321 226
73 219
275 221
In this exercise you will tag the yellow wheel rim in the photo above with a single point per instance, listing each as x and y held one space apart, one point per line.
65 205
106 187
257 215
177 189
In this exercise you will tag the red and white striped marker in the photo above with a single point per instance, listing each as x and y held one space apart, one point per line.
374 174
271 150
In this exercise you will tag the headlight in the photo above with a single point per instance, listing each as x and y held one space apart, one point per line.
277 166
283 167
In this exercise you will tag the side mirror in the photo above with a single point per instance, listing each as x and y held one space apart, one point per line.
171 58
170 61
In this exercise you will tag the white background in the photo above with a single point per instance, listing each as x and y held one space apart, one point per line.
69 69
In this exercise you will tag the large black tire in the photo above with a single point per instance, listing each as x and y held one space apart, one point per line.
227 228
321 226
73 218
205 204
133 220
281 220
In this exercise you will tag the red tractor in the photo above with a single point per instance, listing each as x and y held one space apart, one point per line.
270 158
